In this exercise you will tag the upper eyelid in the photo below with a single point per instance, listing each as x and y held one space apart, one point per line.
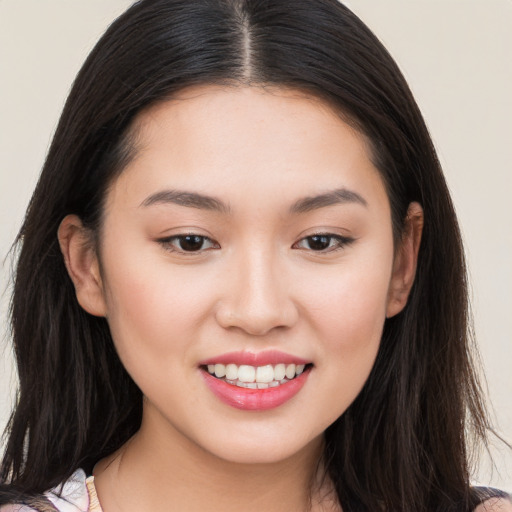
181 234
169 239
342 239
326 230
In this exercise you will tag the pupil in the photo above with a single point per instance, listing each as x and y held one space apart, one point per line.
319 242
191 242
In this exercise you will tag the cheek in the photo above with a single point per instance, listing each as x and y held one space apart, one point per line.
350 308
153 308
347 314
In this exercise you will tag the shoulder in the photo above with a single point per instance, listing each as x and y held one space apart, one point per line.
16 508
495 505
36 505
70 496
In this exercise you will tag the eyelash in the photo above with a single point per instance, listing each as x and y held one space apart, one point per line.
340 242
167 243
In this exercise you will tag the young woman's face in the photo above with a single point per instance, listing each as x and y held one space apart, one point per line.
252 235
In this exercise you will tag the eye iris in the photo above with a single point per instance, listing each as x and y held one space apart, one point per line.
319 242
191 242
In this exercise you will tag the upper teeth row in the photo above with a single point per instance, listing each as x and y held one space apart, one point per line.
261 374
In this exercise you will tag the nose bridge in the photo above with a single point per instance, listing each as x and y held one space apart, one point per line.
258 298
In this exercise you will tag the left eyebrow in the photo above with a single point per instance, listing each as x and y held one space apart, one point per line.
188 199
338 196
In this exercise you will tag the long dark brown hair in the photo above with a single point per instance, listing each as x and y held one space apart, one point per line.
402 444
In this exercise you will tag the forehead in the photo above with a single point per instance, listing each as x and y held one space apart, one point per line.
260 140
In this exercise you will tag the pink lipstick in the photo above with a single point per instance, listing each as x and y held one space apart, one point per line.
255 381
255 358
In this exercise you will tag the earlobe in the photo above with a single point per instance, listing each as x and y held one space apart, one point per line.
406 259
82 264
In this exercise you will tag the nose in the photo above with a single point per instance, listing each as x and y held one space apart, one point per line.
256 296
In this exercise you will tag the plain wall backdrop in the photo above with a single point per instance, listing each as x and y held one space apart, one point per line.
456 55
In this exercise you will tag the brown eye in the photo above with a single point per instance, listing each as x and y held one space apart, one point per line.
323 242
188 243
191 242
318 242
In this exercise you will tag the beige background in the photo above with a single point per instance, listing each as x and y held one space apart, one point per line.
456 55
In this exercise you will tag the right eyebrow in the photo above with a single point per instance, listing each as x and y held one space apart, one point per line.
188 199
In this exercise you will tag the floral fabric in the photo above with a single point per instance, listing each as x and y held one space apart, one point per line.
78 494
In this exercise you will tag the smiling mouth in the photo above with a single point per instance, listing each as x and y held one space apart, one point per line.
256 377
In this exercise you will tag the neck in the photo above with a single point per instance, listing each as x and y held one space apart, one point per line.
159 470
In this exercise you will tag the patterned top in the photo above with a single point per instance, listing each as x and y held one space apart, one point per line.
78 494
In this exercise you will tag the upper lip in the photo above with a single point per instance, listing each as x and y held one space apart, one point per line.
263 358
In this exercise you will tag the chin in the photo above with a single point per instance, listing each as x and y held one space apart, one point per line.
264 449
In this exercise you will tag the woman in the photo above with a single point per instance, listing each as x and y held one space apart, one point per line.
227 289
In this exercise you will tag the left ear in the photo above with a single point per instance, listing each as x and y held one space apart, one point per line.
406 259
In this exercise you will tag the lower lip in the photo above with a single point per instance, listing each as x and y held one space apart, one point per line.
255 399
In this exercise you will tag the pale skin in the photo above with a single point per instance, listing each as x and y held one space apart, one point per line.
255 280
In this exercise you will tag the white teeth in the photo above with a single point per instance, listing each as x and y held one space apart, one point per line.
232 372
220 370
246 373
279 372
265 374
256 377
290 371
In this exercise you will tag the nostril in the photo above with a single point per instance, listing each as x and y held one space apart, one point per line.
257 321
